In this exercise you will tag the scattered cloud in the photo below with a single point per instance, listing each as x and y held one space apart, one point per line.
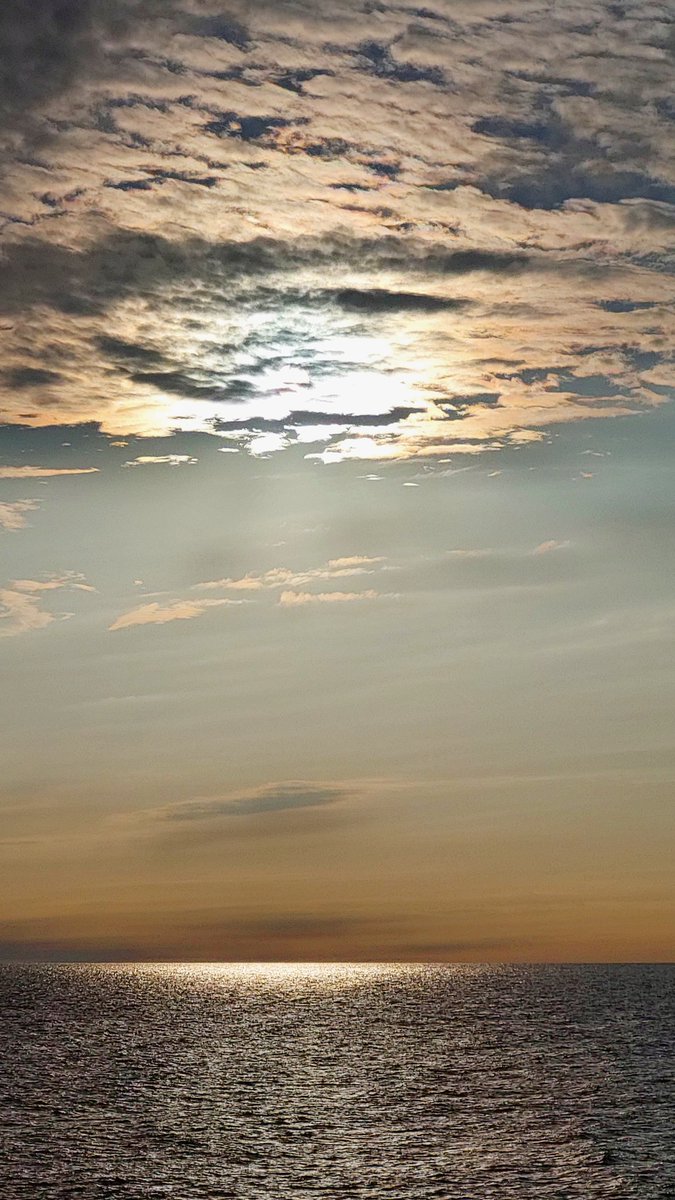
293 599
158 614
170 460
458 568
21 609
21 613
353 560
290 586
284 577
43 472
71 579
13 513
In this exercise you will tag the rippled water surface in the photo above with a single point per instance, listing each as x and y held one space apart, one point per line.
461 1082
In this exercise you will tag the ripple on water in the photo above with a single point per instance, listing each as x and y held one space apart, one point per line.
256 1081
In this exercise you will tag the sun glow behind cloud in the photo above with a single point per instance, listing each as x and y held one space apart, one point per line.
312 316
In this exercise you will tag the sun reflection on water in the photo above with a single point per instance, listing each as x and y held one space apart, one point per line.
290 977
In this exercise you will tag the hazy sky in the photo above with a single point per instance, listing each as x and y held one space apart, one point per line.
337 535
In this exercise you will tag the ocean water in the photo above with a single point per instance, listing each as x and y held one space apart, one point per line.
254 1081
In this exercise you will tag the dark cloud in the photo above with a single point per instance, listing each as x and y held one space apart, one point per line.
504 127
302 417
29 949
175 935
45 44
249 129
293 81
329 148
351 187
162 175
625 306
181 384
379 300
127 263
387 169
26 377
490 399
128 353
530 375
223 28
275 798
605 186
131 185
378 58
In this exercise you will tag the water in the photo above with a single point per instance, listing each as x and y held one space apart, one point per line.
463 1083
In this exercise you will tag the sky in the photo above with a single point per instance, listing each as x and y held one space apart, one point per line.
337 584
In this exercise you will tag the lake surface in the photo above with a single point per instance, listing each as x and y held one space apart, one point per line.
254 1081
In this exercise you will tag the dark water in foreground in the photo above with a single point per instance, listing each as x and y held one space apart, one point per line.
265 1082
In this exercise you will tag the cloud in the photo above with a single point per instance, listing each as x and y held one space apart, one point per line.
254 221
293 599
266 800
285 577
26 377
157 614
288 583
21 608
43 472
236 936
13 513
551 545
45 45
379 300
70 579
21 613
171 460
354 561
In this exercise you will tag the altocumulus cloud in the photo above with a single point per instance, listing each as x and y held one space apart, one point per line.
515 226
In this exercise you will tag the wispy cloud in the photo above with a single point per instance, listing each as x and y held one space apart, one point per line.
43 472
21 609
285 577
158 614
550 546
290 586
169 460
13 513
266 800
71 579
295 599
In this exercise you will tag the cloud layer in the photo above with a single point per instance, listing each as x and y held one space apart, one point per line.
390 231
